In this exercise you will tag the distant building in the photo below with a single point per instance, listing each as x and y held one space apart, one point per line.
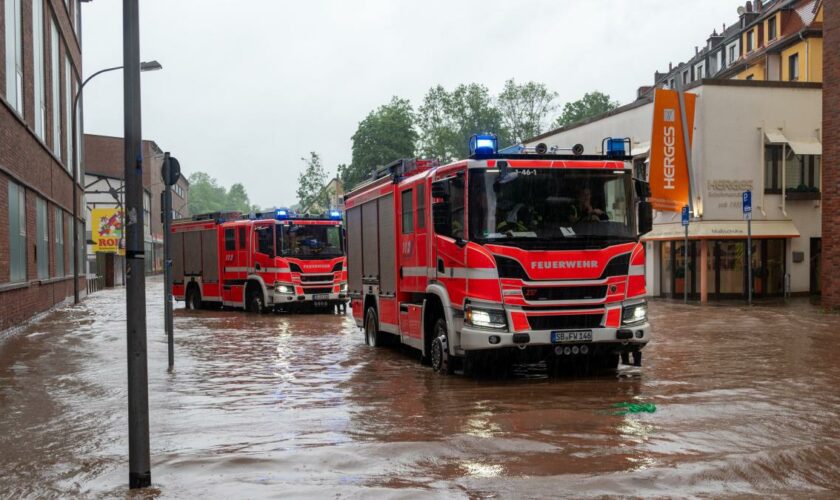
104 188
333 196
40 66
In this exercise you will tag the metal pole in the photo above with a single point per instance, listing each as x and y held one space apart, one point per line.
167 259
749 261
685 267
140 475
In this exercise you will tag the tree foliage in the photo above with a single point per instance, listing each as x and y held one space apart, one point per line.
206 195
311 182
525 108
385 135
591 104
446 120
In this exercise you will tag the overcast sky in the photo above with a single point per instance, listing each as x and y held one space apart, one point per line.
251 86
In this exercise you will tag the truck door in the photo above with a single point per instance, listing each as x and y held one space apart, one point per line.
233 275
408 253
450 237
264 251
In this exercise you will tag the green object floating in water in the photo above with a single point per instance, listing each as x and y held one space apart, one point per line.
634 408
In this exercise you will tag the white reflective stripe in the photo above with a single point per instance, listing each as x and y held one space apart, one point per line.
471 273
507 293
415 271
273 270
637 270
236 269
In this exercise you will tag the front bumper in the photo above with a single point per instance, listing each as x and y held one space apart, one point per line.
308 298
474 339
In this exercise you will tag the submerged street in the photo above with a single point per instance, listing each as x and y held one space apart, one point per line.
296 405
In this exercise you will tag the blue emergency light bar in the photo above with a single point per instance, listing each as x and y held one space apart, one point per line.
281 214
335 215
617 146
483 144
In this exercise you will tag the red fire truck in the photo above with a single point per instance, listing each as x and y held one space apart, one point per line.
272 260
502 253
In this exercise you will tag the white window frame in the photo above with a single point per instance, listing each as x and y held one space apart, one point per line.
700 70
17 240
55 63
733 52
14 54
58 249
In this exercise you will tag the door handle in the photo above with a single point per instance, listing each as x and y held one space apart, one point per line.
257 267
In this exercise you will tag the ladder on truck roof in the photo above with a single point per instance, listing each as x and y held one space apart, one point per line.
397 170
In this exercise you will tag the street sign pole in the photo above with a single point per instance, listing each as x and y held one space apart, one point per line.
747 206
685 221
167 258
139 468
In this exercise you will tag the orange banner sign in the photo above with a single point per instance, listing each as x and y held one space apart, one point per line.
669 177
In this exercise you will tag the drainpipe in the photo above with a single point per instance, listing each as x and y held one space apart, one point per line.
784 174
763 165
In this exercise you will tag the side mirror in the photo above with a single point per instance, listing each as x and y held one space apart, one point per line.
439 190
441 218
645 217
642 189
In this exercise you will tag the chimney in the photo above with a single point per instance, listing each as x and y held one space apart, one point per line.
696 50
670 67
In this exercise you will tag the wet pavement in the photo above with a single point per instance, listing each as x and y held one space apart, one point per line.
747 402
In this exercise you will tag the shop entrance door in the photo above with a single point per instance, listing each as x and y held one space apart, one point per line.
816 257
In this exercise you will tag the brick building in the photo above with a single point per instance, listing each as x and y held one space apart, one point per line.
104 186
40 65
831 169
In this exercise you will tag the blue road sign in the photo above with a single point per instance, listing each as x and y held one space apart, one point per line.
685 215
747 199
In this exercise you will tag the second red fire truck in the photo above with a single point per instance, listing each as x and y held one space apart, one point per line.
271 260
503 253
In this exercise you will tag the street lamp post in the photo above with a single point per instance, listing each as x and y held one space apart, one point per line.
144 66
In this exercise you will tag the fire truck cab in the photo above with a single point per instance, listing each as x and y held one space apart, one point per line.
503 253
272 260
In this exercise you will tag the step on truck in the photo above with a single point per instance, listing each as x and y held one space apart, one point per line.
276 260
486 257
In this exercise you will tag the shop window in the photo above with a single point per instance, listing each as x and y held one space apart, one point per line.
667 269
793 67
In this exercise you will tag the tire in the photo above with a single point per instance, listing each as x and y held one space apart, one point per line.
255 303
439 357
193 298
372 336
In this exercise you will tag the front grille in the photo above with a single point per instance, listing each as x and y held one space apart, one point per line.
535 294
322 289
307 278
566 322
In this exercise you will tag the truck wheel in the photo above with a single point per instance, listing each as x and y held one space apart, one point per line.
256 303
193 299
372 337
440 348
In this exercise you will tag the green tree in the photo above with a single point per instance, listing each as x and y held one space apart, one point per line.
311 182
237 198
447 120
591 104
206 195
385 135
525 108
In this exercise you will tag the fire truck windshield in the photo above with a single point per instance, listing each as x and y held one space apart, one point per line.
566 206
309 241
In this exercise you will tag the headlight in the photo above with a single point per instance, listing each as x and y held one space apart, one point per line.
485 318
342 288
635 313
284 289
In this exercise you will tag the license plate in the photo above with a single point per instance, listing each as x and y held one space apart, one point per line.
571 336
320 303
321 296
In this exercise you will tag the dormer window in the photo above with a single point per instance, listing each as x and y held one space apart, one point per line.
771 29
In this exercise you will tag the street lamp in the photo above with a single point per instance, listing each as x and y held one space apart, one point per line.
144 66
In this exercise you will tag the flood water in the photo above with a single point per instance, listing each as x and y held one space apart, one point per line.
747 402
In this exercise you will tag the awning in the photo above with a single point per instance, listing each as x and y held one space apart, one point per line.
719 230
640 149
775 136
805 146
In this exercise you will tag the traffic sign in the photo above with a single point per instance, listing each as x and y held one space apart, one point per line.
685 215
747 199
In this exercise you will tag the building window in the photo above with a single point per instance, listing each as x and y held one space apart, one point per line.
699 71
750 44
407 211
147 213
772 168
802 172
14 55
793 67
55 76
68 110
732 54
38 66
17 232
771 29
68 224
421 206
685 77
42 239
58 223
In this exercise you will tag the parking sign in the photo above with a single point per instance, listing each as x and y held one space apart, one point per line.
685 215
747 199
